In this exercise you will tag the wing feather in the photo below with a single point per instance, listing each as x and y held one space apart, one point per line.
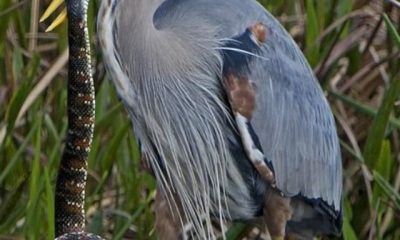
292 119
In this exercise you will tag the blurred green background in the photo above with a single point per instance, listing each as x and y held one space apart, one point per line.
353 46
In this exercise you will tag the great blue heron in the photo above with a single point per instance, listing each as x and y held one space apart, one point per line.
227 112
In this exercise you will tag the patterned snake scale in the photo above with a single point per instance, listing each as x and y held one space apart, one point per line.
71 180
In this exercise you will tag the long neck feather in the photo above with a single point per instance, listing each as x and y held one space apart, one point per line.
167 73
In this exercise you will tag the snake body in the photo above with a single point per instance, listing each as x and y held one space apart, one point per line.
71 180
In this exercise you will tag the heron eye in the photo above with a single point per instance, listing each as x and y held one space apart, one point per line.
50 10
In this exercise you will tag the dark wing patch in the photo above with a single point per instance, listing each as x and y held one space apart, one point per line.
238 55
240 51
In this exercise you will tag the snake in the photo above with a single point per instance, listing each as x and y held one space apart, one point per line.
72 174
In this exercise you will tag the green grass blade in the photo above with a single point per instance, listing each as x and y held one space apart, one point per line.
392 30
376 134
313 31
32 229
119 234
363 108
4 5
10 204
375 138
383 167
388 189
24 89
348 231
12 218
235 231
10 166
49 204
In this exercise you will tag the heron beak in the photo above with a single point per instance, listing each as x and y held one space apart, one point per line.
50 10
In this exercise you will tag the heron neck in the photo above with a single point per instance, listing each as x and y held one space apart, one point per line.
140 55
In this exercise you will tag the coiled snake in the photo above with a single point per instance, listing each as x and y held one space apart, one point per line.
71 180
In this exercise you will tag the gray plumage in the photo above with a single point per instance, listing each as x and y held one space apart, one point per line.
165 59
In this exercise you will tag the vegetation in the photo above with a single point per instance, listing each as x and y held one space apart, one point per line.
353 46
